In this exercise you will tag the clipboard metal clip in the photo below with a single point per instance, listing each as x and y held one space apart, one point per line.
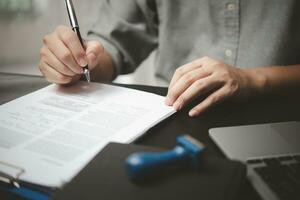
9 180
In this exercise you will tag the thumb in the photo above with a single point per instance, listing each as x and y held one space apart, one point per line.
94 49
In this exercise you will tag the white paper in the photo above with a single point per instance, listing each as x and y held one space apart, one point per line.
54 132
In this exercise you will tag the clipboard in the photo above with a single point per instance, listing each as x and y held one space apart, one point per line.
14 185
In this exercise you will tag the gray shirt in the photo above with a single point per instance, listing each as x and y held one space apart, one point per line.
243 33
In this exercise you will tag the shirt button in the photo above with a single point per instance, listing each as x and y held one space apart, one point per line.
228 52
230 7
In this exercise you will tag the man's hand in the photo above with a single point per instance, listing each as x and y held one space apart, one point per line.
209 77
62 56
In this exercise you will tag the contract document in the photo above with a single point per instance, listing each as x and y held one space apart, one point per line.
51 134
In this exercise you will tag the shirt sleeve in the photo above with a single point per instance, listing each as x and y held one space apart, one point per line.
128 30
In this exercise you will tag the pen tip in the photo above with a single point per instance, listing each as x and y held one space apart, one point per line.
87 75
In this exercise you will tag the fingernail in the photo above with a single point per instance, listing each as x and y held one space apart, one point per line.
82 62
192 113
171 102
167 101
78 70
177 106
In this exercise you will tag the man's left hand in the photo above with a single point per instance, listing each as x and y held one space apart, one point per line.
209 77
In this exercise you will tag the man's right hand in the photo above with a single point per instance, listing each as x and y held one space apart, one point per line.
62 56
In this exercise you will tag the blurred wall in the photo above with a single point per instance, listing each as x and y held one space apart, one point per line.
20 36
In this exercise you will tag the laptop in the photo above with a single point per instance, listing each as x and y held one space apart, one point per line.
271 153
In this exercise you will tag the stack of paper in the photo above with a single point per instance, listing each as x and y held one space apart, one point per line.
54 132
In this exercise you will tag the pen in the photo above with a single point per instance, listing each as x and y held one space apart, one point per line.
75 27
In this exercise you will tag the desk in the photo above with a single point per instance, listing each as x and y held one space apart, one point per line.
164 134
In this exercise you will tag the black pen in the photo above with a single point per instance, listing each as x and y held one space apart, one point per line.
75 27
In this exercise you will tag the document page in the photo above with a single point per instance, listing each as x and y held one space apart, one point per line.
54 132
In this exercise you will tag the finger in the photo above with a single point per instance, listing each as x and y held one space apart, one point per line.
94 50
185 82
70 39
199 87
52 61
189 67
184 69
213 99
59 49
52 75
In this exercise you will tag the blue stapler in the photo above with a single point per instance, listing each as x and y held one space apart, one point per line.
144 164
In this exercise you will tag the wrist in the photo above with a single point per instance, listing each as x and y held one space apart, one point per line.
256 81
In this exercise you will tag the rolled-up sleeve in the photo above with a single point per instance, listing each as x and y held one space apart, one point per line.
128 30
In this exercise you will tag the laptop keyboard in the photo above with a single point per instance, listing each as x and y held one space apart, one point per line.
280 173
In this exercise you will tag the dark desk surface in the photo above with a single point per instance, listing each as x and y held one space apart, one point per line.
164 134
